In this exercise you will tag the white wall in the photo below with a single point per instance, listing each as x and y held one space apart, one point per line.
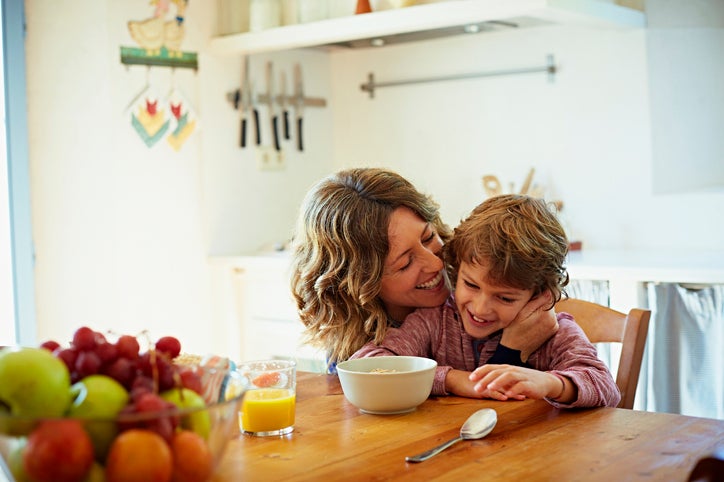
123 232
587 133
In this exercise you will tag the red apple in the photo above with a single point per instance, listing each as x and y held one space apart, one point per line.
58 450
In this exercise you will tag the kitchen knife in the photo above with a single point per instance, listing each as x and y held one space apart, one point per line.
270 103
241 101
283 103
239 105
298 104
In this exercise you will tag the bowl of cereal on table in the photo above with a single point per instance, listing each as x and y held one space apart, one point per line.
387 384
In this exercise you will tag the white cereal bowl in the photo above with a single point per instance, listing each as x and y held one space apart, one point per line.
406 382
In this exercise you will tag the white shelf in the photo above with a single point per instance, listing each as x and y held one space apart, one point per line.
429 18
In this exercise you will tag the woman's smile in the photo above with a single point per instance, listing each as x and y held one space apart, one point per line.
435 282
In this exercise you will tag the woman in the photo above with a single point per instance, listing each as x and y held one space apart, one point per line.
367 252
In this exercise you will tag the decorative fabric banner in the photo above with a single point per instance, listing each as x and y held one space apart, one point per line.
184 120
150 117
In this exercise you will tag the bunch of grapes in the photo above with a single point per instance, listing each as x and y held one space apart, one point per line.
143 374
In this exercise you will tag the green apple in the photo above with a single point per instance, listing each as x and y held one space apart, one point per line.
33 383
98 397
184 398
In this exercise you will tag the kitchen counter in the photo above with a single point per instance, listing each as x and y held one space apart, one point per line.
665 266
648 265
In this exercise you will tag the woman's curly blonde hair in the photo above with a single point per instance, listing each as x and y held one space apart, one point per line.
519 238
338 255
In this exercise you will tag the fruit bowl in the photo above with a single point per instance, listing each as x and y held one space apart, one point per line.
161 417
194 439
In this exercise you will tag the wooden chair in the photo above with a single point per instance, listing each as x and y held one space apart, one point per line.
604 325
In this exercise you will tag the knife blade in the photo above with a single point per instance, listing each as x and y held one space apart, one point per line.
299 104
270 103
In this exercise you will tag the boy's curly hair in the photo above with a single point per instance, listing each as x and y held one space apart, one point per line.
519 238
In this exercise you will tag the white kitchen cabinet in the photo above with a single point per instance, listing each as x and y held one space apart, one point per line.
429 21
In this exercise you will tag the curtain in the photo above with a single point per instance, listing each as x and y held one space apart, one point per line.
683 370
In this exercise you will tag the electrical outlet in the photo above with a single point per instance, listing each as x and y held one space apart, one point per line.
268 159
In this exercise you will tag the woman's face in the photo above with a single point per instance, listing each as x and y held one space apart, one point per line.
485 307
413 276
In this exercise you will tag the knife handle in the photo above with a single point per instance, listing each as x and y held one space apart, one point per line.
286 124
275 131
256 126
243 132
299 134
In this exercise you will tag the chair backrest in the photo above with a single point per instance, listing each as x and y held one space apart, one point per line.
602 324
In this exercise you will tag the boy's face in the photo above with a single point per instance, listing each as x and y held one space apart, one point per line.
486 308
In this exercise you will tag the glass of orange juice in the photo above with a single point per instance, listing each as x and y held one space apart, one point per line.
270 400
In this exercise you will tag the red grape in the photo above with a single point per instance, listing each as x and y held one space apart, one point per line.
139 386
107 352
121 370
68 355
150 402
84 338
169 345
128 347
87 363
50 345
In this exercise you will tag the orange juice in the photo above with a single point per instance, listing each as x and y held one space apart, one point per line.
267 409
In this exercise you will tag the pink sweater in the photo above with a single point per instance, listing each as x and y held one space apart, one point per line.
436 333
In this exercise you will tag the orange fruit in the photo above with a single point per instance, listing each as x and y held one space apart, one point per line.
139 454
192 459
266 379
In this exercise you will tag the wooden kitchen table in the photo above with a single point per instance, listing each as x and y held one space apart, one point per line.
332 440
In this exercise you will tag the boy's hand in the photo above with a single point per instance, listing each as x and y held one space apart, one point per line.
504 382
460 383
532 327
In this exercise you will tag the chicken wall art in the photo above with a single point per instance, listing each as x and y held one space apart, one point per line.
155 116
159 37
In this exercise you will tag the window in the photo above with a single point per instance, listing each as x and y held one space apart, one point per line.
17 299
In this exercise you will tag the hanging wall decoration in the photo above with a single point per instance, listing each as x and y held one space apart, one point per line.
159 37
149 115
183 119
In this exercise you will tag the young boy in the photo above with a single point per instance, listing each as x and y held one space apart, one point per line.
511 249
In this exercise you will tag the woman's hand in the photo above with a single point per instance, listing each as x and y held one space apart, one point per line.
504 382
533 326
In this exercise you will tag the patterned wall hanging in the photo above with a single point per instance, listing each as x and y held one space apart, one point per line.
150 116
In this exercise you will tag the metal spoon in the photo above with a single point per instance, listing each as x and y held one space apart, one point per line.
477 426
